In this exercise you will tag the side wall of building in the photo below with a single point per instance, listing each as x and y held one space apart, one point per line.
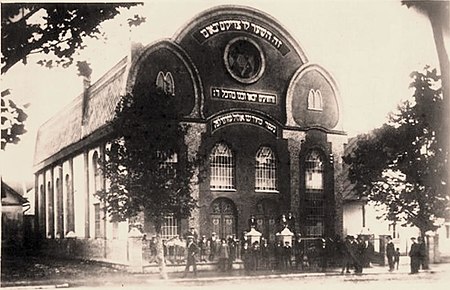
72 221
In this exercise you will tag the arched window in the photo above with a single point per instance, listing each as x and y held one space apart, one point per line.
97 185
165 83
222 167
266 170
50 212
59 209
315 100
314 171
96 172
314 199
69 205
42 212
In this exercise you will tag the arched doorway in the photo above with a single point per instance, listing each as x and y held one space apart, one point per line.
223 217
267 212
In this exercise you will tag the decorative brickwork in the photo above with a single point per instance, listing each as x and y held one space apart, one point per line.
193 142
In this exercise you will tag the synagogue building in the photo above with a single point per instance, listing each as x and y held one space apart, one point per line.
266 120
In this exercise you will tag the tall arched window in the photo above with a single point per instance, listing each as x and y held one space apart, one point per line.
97 172
97 185
50 212
59 209
69 205
222 167
314 170
266 170
42 213
314 199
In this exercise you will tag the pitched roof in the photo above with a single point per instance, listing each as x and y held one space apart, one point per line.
348 189
10 196
69 126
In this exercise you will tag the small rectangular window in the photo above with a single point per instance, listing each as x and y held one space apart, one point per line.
170 228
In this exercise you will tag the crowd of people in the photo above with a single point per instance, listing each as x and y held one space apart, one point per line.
417 253
356 253
351 253
259 255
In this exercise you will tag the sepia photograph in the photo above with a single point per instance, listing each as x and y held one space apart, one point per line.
222 144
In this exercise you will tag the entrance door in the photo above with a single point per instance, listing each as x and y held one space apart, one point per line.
223 217
267 213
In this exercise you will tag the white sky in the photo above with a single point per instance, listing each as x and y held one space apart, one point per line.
370 47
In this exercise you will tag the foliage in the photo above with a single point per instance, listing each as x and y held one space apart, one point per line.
147 134
437 13
57 28
404 163
48 28
13 118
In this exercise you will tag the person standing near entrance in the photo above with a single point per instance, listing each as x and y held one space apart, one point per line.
192 251
414 254
390 253
223 255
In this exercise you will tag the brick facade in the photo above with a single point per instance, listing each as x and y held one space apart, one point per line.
239 78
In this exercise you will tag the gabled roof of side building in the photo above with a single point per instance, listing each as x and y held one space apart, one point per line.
348 188
10 196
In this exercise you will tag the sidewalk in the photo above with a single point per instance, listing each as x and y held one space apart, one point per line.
118 277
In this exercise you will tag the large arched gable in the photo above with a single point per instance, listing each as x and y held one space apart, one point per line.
245 59
231 18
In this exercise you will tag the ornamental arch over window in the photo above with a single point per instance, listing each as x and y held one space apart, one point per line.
315 101
266 170
222 167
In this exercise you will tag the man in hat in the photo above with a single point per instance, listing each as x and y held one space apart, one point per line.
390 253
347 254
414 254
192 251
192 233
214 243
422 253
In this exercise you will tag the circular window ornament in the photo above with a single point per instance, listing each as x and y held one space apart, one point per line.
244 60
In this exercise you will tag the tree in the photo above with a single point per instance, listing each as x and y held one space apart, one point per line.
437 11
403 164
13 118
57 29
147 164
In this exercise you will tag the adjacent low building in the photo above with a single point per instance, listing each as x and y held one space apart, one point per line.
266 121
13 205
